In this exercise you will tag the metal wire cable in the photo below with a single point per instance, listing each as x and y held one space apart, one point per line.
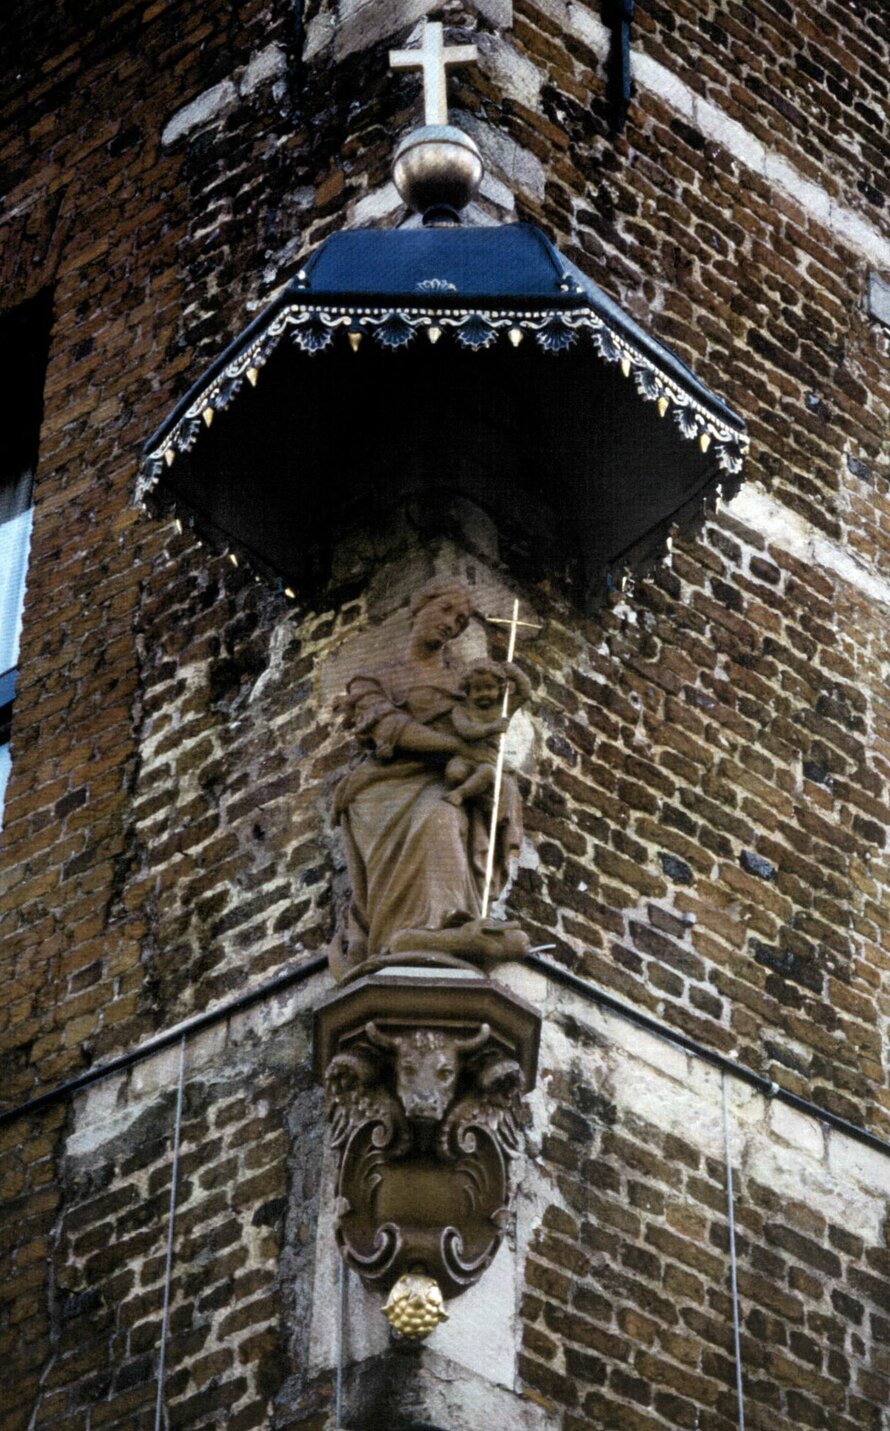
160 1409
287 979
556 972
730 1210
341 1340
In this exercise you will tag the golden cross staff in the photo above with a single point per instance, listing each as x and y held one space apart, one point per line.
514 623
432 57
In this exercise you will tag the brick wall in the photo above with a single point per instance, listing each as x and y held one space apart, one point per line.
611 1298
706 767
627 1309
245 1212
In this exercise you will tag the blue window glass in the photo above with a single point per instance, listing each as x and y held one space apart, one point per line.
5 767
15 539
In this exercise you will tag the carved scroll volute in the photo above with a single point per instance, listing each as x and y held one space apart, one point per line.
426 1116
355 1098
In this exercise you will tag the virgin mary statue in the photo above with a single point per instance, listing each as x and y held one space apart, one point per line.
416 860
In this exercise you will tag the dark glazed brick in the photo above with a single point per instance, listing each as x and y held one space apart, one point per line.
757 865
676 869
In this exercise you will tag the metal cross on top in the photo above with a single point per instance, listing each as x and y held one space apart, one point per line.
432 58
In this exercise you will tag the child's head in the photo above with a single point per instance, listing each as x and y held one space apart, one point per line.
483 684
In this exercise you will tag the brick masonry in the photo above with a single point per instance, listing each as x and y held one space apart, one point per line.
611 1294
705 766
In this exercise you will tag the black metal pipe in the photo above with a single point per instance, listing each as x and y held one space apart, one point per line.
764 1085
619 16
289 977
285 980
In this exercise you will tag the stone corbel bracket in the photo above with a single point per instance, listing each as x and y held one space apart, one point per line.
423 1079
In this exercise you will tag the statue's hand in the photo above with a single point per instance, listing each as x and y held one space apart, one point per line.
521 684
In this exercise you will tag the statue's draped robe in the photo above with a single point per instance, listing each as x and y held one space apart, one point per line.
415 861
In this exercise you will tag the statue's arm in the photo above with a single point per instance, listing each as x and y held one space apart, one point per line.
417 739
389 730
466 727
521 686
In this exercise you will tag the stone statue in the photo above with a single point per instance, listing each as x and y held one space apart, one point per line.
483 686
424 1077
426 1122
416 812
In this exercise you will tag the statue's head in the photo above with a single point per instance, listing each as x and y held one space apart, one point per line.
441 609
427 1063
483 684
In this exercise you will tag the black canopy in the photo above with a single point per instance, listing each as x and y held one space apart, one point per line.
474 360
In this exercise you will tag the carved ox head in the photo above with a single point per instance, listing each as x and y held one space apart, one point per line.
427 1063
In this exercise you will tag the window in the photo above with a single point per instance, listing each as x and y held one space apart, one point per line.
24 337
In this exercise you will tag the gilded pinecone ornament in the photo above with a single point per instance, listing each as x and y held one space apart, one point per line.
415 1306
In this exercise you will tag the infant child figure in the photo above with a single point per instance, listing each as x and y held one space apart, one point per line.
478 721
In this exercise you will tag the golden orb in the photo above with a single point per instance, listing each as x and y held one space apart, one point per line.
415 1306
